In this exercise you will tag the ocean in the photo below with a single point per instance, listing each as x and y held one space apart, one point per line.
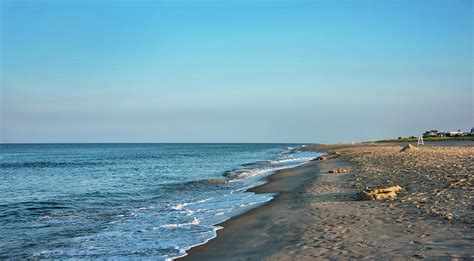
127 201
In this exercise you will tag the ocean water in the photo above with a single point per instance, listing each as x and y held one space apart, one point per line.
127 201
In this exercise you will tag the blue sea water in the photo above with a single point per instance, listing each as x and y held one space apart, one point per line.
127 201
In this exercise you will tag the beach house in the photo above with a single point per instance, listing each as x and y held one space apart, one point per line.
455 133
430 133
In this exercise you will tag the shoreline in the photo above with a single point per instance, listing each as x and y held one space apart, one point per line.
234 225
316 215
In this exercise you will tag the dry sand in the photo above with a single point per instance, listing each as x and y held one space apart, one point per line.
317 214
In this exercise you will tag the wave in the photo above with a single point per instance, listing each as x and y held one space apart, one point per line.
270 166
181 210
45 164
235 175
183 250
289 150
261 162
182 205
31 208
195 221
291 160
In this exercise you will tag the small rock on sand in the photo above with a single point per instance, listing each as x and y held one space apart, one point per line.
392 205
408 147
321 158
339 170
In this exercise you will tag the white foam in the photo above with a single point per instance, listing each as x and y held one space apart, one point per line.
283 162
183 250
291 160
182 205
195 221
249 204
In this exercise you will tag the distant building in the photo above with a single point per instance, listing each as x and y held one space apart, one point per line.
431 133
455 133
436 133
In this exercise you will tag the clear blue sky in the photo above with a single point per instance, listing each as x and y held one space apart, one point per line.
234 71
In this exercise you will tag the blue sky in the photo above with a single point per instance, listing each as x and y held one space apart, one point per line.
234 71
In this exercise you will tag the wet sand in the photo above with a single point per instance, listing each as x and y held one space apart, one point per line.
317 215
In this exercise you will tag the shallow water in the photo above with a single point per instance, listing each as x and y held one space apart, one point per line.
147 201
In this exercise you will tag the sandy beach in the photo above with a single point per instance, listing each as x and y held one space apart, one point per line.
318 214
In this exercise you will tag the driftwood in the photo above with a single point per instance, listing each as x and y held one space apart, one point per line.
380 193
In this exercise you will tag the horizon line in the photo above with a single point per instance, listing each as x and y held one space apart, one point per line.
14 143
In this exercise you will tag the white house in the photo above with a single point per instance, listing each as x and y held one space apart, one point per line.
456 133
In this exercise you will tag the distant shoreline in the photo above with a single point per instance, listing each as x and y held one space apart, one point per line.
317 215
433 139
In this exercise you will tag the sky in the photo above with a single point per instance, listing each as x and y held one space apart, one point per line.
233 71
